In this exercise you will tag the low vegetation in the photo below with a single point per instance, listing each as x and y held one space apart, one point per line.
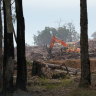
82 92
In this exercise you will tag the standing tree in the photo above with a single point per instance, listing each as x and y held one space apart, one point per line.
0 48
21 60
8 60
85 80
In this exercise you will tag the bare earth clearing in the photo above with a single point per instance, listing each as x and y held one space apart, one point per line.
67 86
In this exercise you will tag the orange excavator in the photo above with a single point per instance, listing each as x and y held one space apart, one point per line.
66 46
55 39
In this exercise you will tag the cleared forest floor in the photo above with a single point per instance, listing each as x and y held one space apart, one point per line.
67 86
57 87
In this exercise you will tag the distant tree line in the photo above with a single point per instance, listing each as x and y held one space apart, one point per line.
94 35
66 33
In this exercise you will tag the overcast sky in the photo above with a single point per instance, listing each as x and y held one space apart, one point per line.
41 13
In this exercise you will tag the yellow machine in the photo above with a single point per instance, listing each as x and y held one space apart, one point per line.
70 46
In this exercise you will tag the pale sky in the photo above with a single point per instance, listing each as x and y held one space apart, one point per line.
41 13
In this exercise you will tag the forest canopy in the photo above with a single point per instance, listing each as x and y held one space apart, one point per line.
66 33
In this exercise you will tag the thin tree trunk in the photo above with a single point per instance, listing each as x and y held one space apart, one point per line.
8 60
1 66
21 60
85 62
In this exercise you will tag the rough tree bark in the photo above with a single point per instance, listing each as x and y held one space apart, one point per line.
85 80
21 60
8 60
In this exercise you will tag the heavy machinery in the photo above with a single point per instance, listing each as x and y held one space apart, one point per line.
72 47
55 39
69 47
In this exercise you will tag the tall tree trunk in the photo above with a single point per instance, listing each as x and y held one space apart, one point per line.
21 60
8 60
85 62
1 66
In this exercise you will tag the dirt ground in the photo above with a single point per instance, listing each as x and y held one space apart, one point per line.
47 87
57 87
67 86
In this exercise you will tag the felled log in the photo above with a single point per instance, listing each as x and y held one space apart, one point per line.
36 66
43 69
55 66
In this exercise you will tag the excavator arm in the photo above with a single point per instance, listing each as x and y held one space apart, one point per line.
54 39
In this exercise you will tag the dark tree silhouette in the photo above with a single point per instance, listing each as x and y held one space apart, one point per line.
85 62
21 60
8 60
1 80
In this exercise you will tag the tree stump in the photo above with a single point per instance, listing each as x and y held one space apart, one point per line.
37 69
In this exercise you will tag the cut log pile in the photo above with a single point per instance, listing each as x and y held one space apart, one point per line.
47 70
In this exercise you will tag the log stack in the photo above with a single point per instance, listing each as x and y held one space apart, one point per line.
47 70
